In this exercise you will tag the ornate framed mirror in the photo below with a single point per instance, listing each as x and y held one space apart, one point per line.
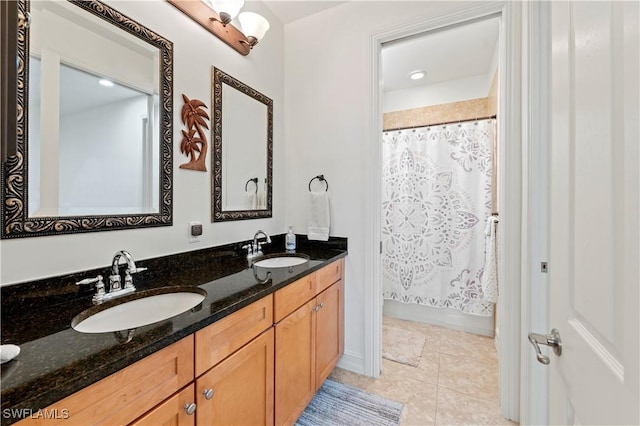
242 150
94 133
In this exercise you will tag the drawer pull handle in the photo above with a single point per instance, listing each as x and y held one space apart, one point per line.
208 393
190 408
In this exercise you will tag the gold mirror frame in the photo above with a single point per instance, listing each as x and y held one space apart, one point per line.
16 222
217 213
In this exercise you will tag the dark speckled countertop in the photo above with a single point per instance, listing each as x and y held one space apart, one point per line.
56 361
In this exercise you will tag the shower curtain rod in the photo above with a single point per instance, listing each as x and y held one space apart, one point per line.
441 123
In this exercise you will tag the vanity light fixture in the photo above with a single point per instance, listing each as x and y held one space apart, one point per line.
417 75
254 26
226 9
216 16
106 83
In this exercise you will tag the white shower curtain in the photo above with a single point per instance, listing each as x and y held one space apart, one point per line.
436 198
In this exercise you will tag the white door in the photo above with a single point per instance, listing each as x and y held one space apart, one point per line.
593 241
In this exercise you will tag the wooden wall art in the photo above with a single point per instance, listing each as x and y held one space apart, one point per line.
194 139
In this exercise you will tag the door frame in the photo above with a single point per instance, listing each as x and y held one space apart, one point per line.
513 159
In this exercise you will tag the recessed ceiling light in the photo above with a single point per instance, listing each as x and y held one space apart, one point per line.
106 83
417 75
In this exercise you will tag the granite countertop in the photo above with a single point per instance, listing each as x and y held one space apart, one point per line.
56 361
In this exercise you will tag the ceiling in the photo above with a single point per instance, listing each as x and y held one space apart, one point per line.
451 54
291 10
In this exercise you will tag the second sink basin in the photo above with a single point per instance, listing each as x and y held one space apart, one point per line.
281 260
138 309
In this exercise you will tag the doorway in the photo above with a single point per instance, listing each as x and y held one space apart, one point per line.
439 175
508 193
439 198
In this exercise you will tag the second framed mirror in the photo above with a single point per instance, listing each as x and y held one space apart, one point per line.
242 150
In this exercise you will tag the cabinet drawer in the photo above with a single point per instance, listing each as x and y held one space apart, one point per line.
129 393
171 412
329 275
296 294
219 340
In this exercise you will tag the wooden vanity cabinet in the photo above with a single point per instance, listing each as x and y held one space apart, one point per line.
122 397
309 341
240 370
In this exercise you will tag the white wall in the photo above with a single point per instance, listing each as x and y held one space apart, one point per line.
327 101
195 51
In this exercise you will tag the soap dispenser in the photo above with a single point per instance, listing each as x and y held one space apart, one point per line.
290 240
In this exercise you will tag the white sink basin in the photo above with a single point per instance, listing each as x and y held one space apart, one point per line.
282 261
137 310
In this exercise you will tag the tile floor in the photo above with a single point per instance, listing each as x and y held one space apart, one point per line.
455 383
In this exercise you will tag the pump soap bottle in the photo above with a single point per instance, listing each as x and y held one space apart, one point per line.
290 240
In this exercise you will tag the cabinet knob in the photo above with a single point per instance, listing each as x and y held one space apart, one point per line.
321 305
190 408
208 393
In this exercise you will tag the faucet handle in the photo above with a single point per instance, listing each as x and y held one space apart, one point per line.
97 298
90 280
136 270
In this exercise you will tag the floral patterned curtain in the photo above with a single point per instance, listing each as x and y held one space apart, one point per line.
436 199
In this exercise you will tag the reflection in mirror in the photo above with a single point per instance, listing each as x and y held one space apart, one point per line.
243 149
96 134
90 105
246 143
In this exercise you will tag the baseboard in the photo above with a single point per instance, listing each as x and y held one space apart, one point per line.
352 361
442 317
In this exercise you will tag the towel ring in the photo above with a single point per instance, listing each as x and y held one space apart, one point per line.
255 181
321 179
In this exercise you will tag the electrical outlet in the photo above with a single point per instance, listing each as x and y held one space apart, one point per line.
195 231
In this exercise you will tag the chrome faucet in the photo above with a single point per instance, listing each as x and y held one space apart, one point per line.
255 248
115 288
114 278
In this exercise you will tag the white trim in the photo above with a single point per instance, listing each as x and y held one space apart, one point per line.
352 361
510 207
444 317
509 197
534 408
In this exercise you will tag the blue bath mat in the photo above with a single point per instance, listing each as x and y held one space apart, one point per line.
336 404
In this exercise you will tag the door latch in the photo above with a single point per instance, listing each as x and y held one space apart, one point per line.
553 340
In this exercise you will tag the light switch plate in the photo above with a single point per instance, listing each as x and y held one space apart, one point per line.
195 231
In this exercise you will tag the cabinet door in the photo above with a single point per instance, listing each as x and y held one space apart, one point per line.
329 330
172 412
295 363
239 390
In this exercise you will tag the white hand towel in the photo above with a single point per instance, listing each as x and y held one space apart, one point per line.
251 200
261 202
490 274
319 220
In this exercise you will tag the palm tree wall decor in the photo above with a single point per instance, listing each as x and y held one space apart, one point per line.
194 140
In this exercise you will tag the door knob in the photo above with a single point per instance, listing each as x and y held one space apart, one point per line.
552 339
